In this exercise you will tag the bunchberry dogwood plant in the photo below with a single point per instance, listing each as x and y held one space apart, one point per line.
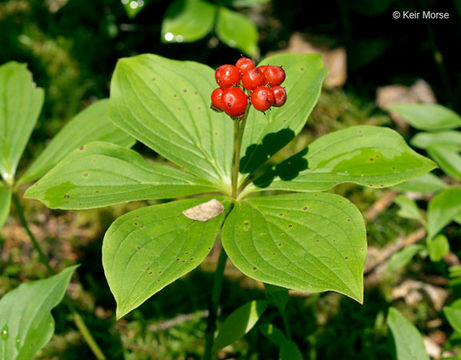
275 220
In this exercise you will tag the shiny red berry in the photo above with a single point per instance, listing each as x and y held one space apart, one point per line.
244 64
216 97
262 98
252 79
227 75
275 75
234 101
280 95
262 68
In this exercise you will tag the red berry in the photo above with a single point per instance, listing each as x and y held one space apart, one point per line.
227 75
262 68
280 95
244 64
252 79
234 101
275 75
216 102
262 98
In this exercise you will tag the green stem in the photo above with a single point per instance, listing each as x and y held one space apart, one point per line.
78 320
236 160
37 247
239 126
214 304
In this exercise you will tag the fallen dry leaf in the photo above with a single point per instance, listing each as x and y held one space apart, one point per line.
204 212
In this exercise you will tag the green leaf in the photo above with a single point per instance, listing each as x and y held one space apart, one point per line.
365 155
5 203
237 31
408 341
424 140
238 323
149 248
453 314
290 351
438 247
277 296
266 134
92 124
133 7
442 209
408 208
245 3
273 333
101 174
403 257
308 242
427 116
165 104
21 102
26 324
187 20
425 184
448 158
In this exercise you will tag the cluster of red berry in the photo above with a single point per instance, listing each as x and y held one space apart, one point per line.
238 83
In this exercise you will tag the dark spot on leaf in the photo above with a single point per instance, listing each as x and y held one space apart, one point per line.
135 224
184 261
280 214
185 90
245 223
195 92
175 95
138 247
187 252
279 244
255 268
305 208
150 272
301 68
81 147
66 196
160 272
372 159
142 226
199 107
209 248
381 185
177 259
393 168
85 174
349 220
216 133
290 225
191 258
346 258
317 240
154 78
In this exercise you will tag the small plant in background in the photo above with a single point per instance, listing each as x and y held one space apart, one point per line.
191 20
26 324
305 239
442 142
